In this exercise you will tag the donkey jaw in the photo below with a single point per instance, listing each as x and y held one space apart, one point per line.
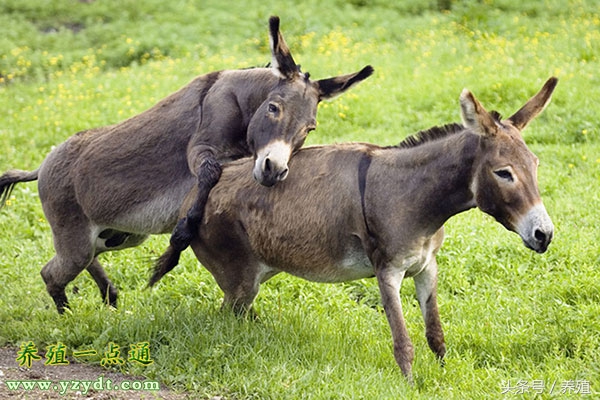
271 161
536 229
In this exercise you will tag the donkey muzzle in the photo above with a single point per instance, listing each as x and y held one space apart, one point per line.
271 164
536 229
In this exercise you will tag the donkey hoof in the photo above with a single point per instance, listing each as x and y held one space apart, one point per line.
111 298
61 308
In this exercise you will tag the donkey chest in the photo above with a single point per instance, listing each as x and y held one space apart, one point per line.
413 260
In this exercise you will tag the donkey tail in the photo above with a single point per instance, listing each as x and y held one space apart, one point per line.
10 178
165 263
181 238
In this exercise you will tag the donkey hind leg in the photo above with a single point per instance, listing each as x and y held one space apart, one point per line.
107 289
62 269
108 240
389 280
426 288
187 228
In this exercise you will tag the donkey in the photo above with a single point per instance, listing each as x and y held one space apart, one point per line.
109 188
351 211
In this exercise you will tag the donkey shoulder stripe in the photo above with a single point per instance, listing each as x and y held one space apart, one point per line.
363 169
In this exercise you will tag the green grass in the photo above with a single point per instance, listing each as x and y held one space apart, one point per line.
508 314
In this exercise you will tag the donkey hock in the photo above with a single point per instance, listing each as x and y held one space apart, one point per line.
109 188
352 211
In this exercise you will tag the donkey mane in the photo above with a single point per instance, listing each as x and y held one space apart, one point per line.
437 132
430 135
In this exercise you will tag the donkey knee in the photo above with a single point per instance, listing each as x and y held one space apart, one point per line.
209 172
186 229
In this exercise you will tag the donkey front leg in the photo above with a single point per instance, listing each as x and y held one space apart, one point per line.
208 173
239 293
426 287
390 281
239 276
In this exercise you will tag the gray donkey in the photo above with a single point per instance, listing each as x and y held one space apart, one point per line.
109 188
351 211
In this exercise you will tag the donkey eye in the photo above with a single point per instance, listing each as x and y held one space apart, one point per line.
273 108
504 174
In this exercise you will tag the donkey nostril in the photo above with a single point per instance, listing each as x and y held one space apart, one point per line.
283 174
268 167
539 236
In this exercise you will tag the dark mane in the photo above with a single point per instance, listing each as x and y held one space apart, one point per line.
268 65
430 135
438 132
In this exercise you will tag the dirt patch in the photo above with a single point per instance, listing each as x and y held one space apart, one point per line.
67 382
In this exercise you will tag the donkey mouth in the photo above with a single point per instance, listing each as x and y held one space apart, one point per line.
539 241
270 178
536 229
537 247
271 163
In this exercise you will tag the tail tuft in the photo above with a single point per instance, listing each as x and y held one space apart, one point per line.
165 263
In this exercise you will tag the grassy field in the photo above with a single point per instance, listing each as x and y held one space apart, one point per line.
511 317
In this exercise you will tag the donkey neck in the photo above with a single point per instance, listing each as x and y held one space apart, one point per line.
250 87
436 176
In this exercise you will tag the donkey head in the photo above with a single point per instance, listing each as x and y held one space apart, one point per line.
281 123
505 177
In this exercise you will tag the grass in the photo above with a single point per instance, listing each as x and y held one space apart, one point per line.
508 314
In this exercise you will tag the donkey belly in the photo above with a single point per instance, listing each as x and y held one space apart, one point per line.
155 215
335 260
351 267
355 265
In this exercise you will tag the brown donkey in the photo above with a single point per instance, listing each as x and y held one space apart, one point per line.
351 211
109 188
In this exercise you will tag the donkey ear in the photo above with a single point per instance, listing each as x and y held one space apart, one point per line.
534 106
282 61
332 87
475 117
